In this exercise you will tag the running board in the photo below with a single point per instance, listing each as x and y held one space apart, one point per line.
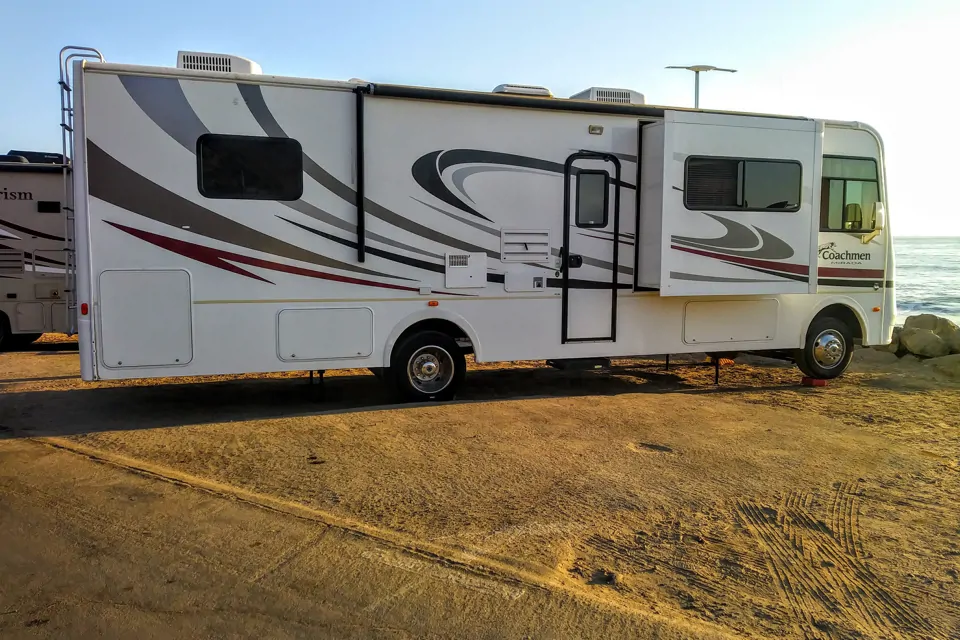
580 364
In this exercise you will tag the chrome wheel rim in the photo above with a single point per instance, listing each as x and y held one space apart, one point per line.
829 349
430 369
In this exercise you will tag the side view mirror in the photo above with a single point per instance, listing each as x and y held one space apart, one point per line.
879 215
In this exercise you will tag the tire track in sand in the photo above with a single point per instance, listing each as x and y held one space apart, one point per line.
820 573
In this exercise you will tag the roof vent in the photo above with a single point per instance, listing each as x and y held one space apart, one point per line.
523 90
219 62
606 94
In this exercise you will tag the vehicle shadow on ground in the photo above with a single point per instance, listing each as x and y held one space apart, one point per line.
89 408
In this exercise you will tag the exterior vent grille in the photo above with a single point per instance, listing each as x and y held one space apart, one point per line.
458 260
613 95
524 245
216 62
206 63
11 262
607 94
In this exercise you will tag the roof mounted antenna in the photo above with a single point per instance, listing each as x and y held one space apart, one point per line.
697 68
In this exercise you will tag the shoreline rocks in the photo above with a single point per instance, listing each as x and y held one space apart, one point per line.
926 336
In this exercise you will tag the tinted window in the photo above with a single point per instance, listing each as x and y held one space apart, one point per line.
734 183
249 167
848 194
592 190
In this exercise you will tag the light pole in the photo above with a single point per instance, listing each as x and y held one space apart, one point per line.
697 68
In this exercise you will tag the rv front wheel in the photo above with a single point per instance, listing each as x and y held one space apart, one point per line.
827 350
428 366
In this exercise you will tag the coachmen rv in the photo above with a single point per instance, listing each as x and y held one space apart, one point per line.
33 297
229 222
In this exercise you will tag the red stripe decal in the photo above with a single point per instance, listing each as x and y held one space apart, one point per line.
217 258
801 269
841 272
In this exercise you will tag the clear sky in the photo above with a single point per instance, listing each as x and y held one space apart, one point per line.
890 63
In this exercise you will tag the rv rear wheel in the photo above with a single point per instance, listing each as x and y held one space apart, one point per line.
428 366
827 350
5 334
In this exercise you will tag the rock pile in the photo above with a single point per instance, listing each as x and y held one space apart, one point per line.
931 337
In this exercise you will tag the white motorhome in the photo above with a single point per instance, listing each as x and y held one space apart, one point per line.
229 222
32 247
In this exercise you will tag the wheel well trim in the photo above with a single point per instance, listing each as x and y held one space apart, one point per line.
432 314
846 301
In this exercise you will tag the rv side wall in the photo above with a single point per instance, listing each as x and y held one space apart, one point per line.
32 280
465 222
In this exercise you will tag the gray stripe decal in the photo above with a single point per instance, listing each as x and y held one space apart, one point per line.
163 101
741 240
475 225
676 275
459 175
600 264
316 213
253 96
258 108
113 182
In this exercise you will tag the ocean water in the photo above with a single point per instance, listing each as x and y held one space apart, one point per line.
927 277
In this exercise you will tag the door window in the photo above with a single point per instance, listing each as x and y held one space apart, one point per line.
849 193
593 188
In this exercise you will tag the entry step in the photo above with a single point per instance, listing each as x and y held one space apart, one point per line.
580 364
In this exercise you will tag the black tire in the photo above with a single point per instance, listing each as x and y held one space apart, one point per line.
427 366
6 337
23 340
827 350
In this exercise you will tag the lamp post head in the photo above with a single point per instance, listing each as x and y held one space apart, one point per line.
697 68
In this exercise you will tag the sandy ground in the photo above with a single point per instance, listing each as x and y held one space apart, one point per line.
641 502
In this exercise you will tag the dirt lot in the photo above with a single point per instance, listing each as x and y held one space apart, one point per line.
758 508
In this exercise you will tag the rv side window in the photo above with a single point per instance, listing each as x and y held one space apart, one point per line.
741 183
593 188
848 194
249 167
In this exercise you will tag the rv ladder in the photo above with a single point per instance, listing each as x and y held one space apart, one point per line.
67 55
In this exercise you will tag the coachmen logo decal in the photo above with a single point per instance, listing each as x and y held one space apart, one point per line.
829 251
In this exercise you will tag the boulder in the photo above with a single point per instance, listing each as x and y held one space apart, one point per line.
926 321
945 329
948 365
924 342
949 333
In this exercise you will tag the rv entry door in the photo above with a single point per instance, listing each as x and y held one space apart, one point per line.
590 252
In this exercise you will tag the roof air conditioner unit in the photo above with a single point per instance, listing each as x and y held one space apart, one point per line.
606 94
523 90
221 62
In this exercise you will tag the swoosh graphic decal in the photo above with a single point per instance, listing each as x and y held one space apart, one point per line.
28 231
428 169
786 267
459 175
163 101
113 182
694 277
741 240
253 97
413 262
224 259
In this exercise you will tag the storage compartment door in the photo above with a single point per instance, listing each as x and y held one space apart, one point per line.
737 204
145 319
